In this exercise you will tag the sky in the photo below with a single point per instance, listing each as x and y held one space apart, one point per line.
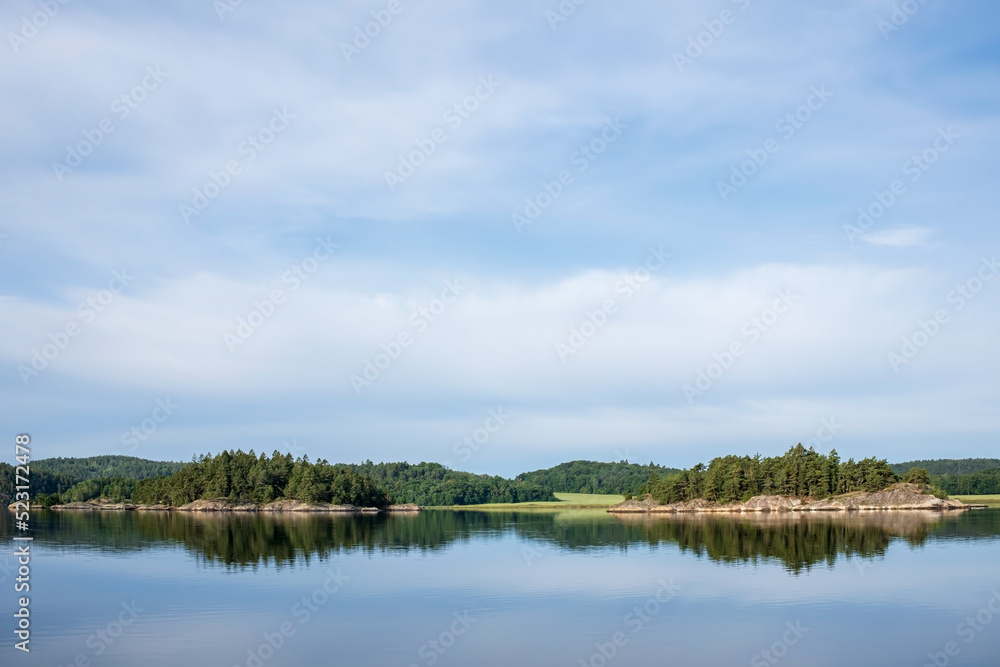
500 235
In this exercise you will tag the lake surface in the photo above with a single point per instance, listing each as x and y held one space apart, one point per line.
508 588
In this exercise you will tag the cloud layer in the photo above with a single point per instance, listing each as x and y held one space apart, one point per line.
209 157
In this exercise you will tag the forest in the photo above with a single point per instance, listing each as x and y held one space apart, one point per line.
799 472
432 484
246 477
41 482
116 489
984 482
96 467
948 466
595 476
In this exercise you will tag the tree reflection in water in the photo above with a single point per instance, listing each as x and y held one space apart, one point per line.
797 540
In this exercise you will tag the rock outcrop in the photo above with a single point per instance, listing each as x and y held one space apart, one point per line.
226 505
95 505
407 507
897 497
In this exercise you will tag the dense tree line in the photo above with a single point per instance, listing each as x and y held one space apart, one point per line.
247 477
799 472
433 484
239 476
41 482
97 467
116 489
985 482
595 476
948 466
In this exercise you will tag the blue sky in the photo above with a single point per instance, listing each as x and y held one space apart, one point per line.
645 111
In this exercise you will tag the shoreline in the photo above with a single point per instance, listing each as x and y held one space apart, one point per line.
899 497
227 506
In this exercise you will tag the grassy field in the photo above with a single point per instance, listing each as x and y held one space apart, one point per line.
566 501
980 500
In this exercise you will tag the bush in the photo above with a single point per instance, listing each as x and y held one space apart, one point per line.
917 476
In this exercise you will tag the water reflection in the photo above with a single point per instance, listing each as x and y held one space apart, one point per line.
798 541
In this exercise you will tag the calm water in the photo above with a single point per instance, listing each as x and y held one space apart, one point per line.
508 588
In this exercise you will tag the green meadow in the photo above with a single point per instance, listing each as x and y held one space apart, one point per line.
566 501
993 499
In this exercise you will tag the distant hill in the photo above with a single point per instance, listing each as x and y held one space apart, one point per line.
433 484
984 482
947 466
595 476
98 467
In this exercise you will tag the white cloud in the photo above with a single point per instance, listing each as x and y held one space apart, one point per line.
899 237
497 343
496 346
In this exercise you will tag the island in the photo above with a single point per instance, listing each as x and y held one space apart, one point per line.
226 505
800 480
900 496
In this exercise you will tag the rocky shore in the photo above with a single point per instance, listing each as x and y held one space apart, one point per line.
896 497
225 505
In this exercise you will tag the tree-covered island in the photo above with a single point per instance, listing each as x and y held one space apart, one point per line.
281 481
